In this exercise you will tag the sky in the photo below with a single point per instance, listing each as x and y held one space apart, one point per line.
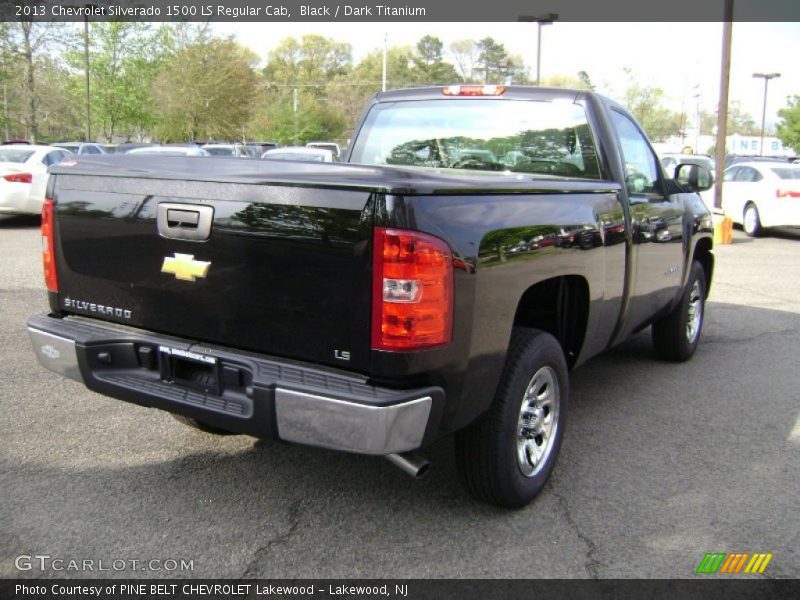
674 56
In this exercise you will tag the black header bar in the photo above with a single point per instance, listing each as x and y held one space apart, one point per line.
397 10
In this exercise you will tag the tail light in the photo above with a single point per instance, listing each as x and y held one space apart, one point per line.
48 247
19 178
474 90
787 193
412 291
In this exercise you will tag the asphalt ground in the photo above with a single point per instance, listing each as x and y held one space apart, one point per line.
661 464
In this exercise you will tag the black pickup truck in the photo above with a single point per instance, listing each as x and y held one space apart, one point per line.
482 241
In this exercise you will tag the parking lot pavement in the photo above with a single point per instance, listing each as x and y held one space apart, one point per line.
661 464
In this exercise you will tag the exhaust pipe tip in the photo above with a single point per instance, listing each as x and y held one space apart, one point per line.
413 464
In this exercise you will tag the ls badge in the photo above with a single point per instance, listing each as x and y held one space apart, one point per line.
185 267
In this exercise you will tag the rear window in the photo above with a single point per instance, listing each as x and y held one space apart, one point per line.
787 173
15 156
549 138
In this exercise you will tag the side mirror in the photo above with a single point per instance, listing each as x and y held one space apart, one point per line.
693 178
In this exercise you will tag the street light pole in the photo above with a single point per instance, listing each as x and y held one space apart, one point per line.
540 21
86 69
766 77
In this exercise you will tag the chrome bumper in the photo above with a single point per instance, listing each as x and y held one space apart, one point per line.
367 420
56 353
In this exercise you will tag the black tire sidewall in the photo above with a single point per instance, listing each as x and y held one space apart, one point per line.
688 348
539 350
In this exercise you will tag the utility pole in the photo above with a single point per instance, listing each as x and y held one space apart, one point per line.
86 70
385 41
541 20
722 113
766 77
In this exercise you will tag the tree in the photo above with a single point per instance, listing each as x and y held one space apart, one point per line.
465 58
492 60
429 62
567 81
586 81
645 103
789 123
123 61
205 91
310 63
29 42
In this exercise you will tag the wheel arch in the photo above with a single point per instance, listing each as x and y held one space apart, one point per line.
559 306
704 254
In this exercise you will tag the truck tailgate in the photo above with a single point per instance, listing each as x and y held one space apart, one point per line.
282 264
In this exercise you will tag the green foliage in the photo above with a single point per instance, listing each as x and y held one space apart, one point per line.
645 103
124 58
205 91
310 63
789 123
429 64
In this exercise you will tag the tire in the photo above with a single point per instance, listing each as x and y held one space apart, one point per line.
195 424
751 221
675 337
506 456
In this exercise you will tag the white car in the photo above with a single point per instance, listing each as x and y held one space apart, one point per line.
235 150
762 194
170 151
332 146
23 176
300 153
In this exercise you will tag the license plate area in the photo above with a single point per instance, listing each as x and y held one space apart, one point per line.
189 369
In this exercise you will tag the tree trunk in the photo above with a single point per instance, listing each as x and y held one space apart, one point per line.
30 82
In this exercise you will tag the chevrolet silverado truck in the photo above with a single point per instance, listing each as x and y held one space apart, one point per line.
480 243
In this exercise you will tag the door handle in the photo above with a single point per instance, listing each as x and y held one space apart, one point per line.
190 222
182 218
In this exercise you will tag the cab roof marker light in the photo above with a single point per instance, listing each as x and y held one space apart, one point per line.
474 90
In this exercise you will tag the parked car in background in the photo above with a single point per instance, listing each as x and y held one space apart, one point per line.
260 147
670 161
235 150
332 146
170 151
23 176
126 147
82 147
299 153
758 195
732 159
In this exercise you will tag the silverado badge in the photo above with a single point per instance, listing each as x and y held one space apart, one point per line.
185 267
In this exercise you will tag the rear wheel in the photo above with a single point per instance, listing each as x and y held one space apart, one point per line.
506 456
751 221
675 337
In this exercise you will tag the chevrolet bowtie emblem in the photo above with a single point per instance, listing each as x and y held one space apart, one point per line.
185 267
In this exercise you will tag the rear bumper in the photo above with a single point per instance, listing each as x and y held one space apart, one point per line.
15 200
239 391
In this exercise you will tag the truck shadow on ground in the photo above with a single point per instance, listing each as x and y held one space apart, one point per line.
647 451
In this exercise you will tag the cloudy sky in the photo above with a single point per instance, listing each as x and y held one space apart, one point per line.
673 56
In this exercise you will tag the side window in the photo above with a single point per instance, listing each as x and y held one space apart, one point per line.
641 173
730 174
52 158
748 174
89 150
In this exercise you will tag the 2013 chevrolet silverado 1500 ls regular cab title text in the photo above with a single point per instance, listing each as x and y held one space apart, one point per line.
482 241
